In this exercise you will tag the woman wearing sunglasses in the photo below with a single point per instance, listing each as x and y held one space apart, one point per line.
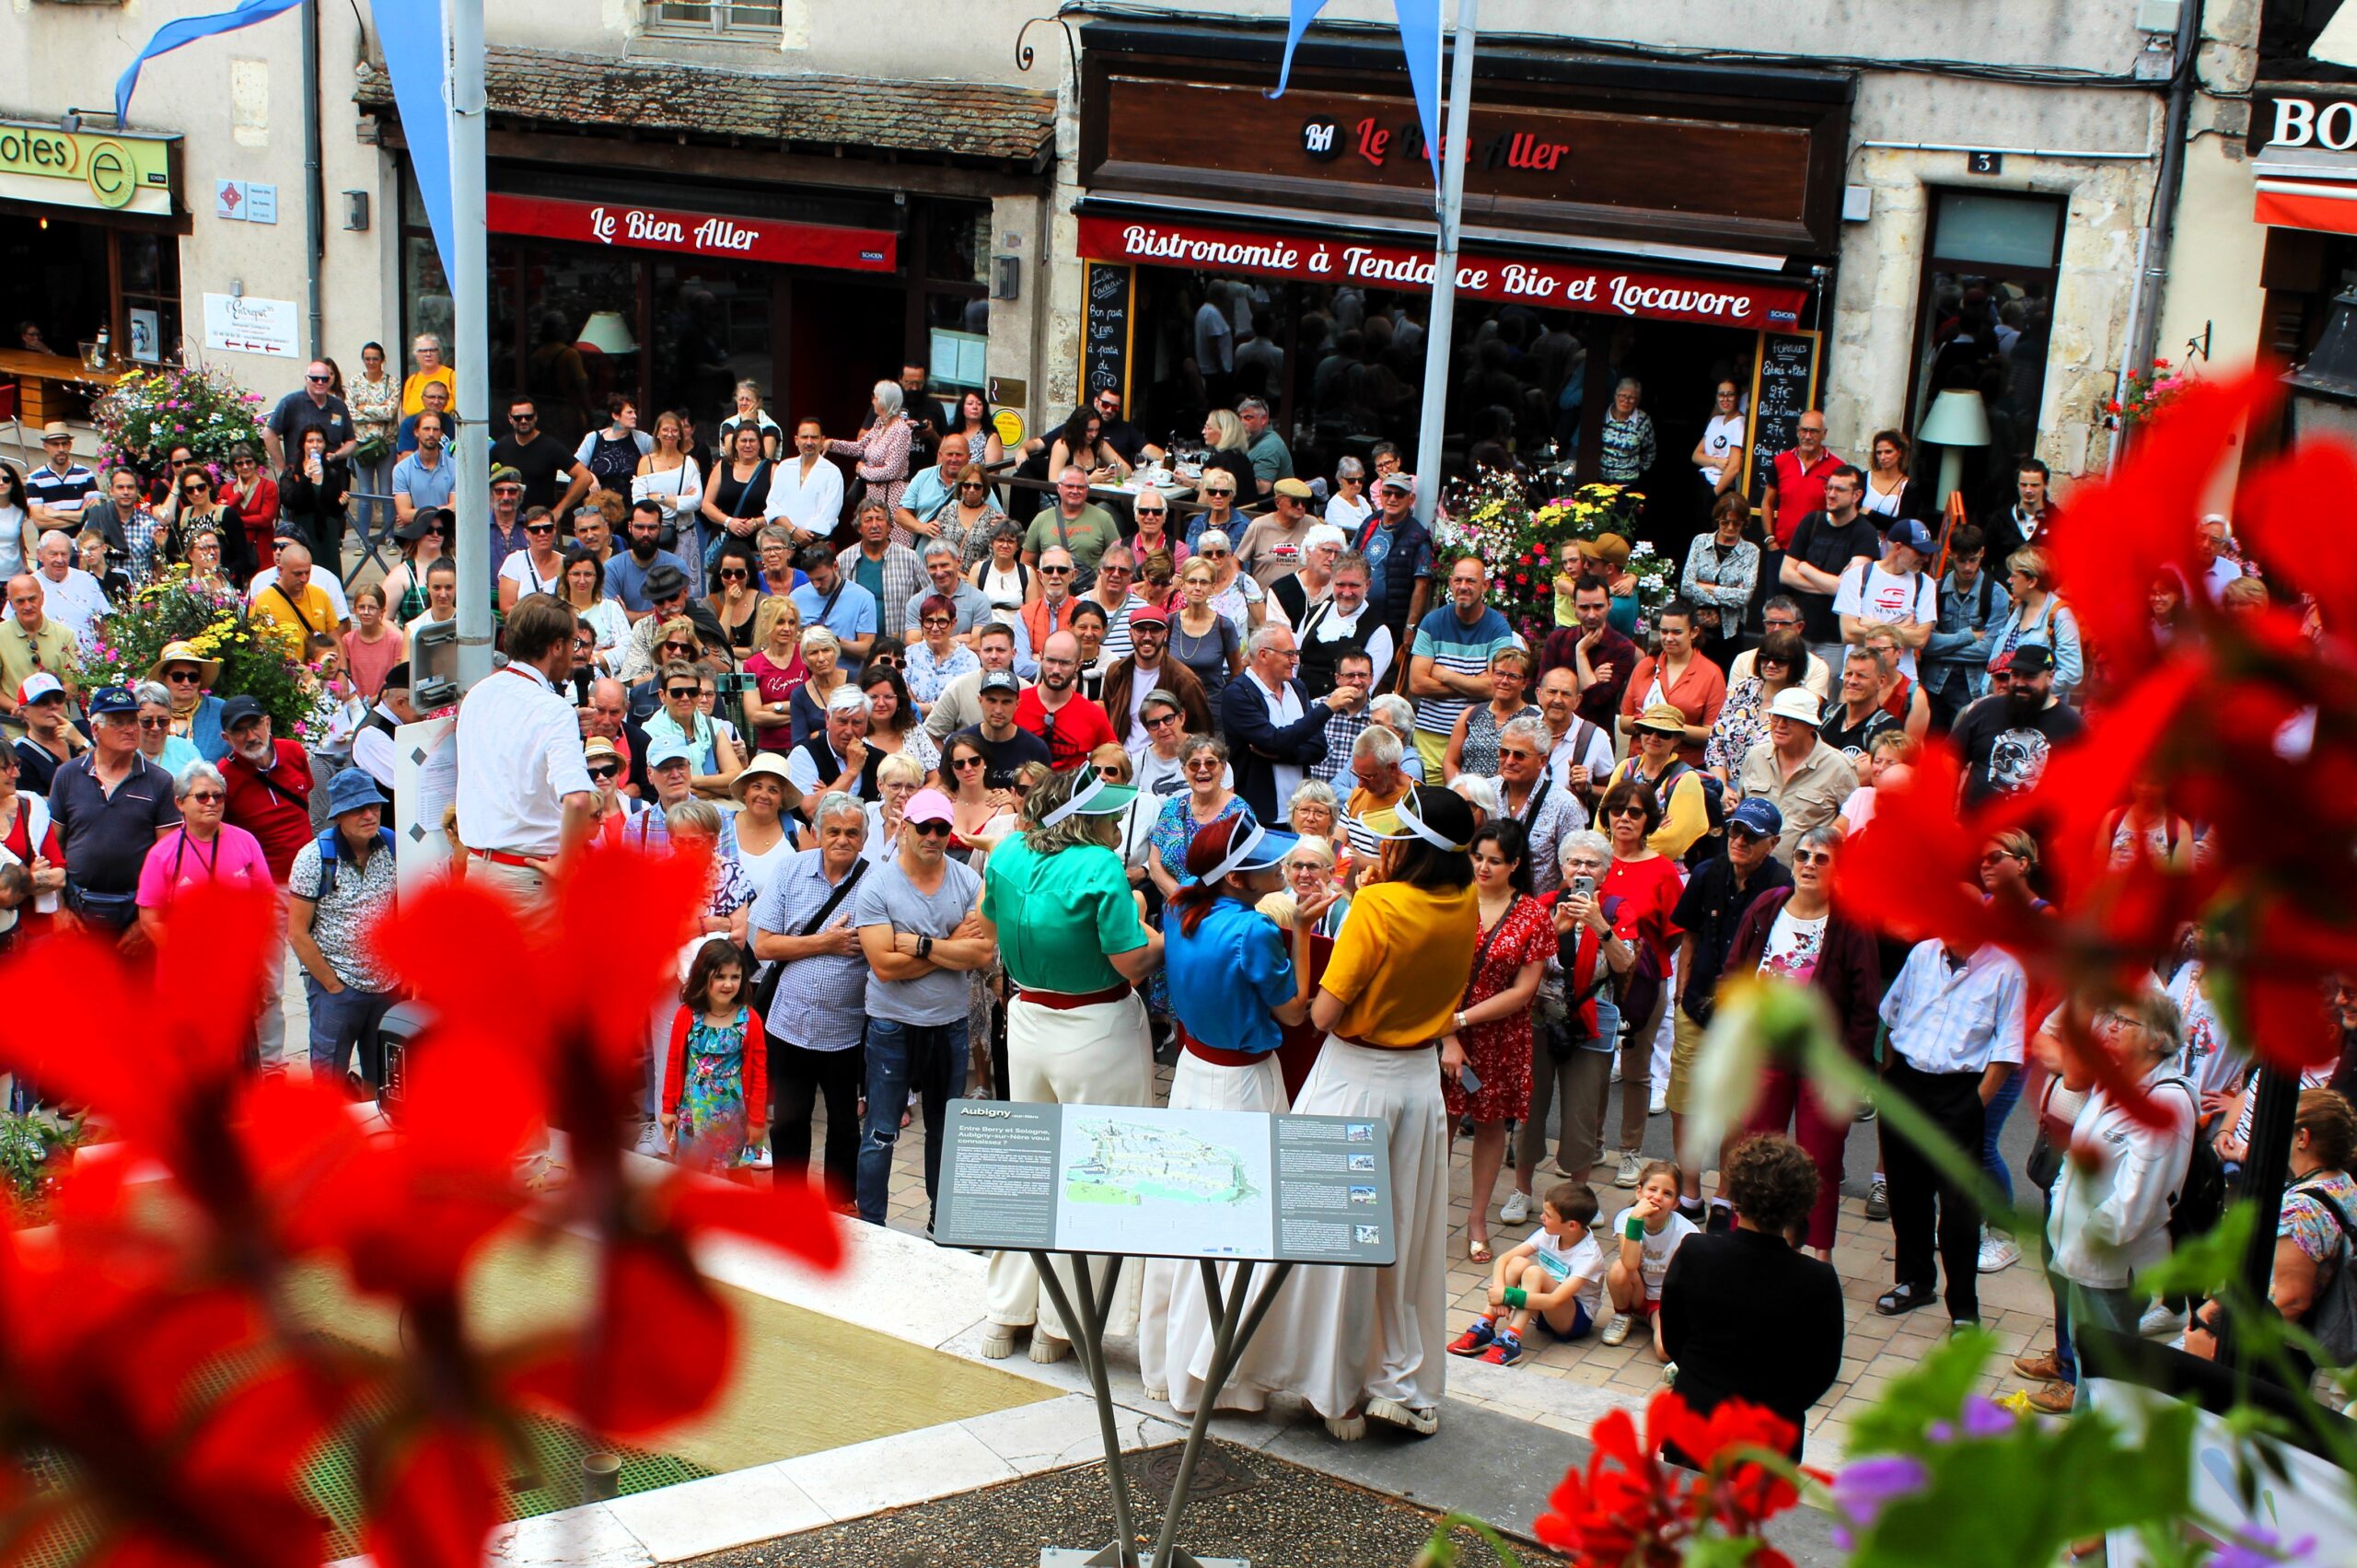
972 520
538 568
1646 883
187 677
1235 593
252 494
422 542
1797 935
200 507
736 598
202 849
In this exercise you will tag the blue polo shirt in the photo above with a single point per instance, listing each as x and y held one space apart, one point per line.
626 579
849 612
426 487
1227 980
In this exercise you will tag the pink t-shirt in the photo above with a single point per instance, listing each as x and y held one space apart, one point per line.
176 864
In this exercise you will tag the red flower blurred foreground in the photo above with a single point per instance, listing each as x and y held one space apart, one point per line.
144 1348
2245 721
1631 1509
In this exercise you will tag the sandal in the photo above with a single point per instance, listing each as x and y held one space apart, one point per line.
1477 1248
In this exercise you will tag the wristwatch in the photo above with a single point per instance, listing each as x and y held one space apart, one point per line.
924 946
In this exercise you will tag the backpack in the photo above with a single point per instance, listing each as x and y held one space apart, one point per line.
2203 1199
2332 1314
330 855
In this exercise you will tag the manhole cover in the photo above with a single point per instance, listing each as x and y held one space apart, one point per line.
1216 1475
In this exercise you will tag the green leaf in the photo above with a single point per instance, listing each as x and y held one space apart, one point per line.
1934 1391
2204 1265
2022 1498
1720 1552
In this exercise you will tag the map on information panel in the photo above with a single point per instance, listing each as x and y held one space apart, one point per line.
1194 1188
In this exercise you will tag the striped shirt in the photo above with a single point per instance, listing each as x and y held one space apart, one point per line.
1450 644
821 1003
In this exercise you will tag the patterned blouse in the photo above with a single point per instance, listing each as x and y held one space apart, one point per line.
883 462
1177 827
927 675
1628 447
1743 719
2306 1221
973 543
375 408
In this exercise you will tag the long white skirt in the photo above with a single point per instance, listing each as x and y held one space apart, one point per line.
1175 1337
1100 1054
1339 1337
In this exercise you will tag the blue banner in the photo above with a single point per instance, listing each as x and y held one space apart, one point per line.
1419 40
188 29
409 34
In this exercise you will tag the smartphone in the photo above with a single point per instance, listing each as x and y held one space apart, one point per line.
1466 1081
1584 886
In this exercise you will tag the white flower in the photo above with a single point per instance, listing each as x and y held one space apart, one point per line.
1759 1024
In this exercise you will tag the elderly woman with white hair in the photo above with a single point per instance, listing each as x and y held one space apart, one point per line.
898 777
882 453
822 660
157 742
202 849
1234 593
1304 587
1397 714
694 828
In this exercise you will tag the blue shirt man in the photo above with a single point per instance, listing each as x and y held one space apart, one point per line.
842 605
425 486
1956 660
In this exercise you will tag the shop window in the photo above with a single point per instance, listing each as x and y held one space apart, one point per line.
427 305
1986 313
715 325
151 297
713 16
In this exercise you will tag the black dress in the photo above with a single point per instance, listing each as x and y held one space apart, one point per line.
733 497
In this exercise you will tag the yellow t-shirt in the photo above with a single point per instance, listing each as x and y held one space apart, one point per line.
1401 963
413 389
272 605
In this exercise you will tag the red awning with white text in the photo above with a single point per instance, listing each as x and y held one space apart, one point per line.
695 234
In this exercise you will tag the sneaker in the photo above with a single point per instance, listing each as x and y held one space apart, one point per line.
1346 1428
2043 1367
998 1343
1475 1340
1616 1331
1632 1166
1998 1252
1878 1199
757 1156
1963 1325
2055 1398
1616 1072
1669 1375
1657 1103
1722 1219
1046 1348
1504 1351
2161 1321
651 1143
1407 1418
1159 1396
1515 1209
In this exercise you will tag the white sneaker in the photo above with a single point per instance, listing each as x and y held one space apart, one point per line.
1998 1252
651 1143
1632 1166
1616 1329
2160 1321
1515 1209
1657 1102
757 1156
1616 1072
1346 1428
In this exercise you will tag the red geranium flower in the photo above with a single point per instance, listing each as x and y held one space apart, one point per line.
1631 1508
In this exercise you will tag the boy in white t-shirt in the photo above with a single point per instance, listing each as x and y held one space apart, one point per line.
1649 1231
1555 1277
1894 592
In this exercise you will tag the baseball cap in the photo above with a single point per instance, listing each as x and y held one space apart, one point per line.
1004 680
2030 658
1663 718
39 684
233 712
119 700
1406 482
1757 817
1294 489
1146 615
670 748
1911 532
1795 702
927 806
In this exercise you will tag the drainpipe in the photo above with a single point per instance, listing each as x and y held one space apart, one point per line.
2153 245
314 220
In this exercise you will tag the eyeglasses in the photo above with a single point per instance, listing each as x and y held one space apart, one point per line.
939 621
733 577
1198 762
930 829
972 489
685 649
321 380
1996 857
508 489
1212 554
605 772
680 691
1145 512
155 724
550 528
206 797
184 676
1219 492
523 419
1055 571
1161 720
195 487
1515 754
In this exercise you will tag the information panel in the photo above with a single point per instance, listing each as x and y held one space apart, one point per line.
1148 1182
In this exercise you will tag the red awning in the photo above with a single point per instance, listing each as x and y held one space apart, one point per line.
695 234
2324 205
1772 304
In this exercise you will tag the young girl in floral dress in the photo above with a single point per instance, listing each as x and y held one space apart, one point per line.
718 1065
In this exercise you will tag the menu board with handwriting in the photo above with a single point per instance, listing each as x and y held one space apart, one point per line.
1783 388
1105 331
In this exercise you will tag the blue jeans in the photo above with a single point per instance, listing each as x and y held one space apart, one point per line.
927 1058
2000 1105
2077 1305
342 1020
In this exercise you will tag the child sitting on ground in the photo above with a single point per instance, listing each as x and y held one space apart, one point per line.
1648 1231
1555 1277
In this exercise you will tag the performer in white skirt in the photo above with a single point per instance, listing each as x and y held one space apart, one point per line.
1232 992
1356 1344
1073 944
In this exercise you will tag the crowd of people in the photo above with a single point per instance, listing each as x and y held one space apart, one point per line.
1217 766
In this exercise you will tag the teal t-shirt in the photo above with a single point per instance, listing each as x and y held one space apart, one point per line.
1058 916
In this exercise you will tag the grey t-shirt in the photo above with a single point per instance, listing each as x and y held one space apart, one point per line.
886 897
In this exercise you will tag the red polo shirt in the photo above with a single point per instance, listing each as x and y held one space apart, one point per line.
275 807
1080 728
1799 490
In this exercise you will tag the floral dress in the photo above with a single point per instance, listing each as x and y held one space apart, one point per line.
1743 720
712 1098
1499 1053
1479 755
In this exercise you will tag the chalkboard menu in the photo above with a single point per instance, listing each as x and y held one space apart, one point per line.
1783 388
1105 332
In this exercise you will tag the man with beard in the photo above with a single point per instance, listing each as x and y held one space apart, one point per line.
2006 740
959 703
1342 622
1056 713
269 796
1005 746
1148 666
1601 659
524 796
626 573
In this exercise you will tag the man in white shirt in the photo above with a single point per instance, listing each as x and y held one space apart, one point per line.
1581 756
806 490
525 800
2211 540
69 596
326 580
1895 592
372 741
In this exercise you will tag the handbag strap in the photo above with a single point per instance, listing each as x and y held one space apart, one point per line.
842 891
1482 953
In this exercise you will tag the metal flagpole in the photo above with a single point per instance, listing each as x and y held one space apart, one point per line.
1439 325
471 334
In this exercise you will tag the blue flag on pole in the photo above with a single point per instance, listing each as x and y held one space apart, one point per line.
410 34
188 29
1419 40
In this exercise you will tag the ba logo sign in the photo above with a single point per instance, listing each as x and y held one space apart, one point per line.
1321 139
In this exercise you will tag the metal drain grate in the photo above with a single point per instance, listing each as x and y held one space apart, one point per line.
1156 1471
550 1481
